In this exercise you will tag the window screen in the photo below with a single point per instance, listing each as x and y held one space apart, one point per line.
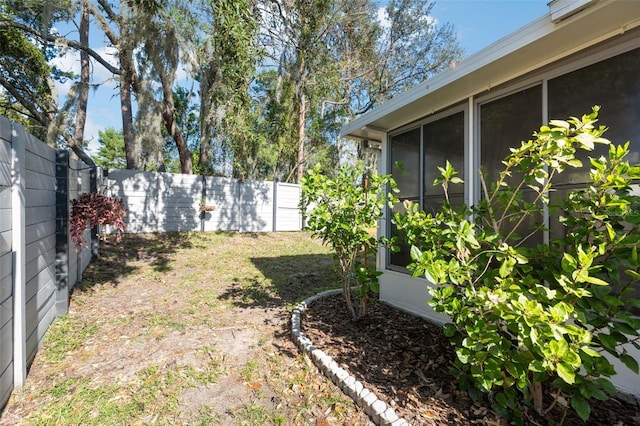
505 123
405 169
443 141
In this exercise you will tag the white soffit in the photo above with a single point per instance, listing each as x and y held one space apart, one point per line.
537 44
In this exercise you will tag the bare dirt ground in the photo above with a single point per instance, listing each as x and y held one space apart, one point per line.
190 329
194 329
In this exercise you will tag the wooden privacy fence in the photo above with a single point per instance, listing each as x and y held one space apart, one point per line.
38 262
165 202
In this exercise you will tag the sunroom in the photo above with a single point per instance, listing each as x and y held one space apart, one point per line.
582 53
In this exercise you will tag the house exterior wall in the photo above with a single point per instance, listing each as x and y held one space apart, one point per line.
397 287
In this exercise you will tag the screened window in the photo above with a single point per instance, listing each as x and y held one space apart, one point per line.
443 141
505 123
439 140
502 123
405 169
614 85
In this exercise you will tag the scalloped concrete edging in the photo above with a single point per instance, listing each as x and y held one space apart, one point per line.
379 412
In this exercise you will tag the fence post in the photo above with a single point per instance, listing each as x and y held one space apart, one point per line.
203 201
93 187
18 243
62 232
275 205
239 203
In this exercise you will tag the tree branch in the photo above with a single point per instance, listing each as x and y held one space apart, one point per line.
4 23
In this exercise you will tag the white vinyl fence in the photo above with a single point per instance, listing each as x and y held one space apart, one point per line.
165 202
38 263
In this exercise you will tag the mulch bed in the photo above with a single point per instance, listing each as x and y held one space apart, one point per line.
406 361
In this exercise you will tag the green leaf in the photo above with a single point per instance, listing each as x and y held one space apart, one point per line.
633 274
569 263
449 329
416 254
629 361
606 385
559 123
581 406
587 350
593 280
607 341
505 268
566 373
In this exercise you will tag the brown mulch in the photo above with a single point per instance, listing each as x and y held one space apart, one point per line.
406 361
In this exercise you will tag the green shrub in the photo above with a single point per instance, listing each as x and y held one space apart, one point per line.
342 212
535 320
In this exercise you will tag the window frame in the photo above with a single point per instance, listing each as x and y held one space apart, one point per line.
471 105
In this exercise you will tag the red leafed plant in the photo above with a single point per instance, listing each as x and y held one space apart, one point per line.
94 209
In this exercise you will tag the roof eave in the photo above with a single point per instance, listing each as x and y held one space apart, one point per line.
534 45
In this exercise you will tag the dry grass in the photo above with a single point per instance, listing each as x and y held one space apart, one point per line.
186 328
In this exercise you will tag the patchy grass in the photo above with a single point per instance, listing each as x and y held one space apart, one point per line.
186 328
66 335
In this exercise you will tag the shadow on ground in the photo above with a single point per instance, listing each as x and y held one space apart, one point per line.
284 280
119 259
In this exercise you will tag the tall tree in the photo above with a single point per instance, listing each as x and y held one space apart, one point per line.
226 56
27 29
85 75
111 153
158 61
343 61
24 72
117 25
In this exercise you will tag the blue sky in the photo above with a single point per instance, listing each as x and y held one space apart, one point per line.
478 24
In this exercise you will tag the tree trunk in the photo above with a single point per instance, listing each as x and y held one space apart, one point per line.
205 122
83 89
301 136
127 113
302 109
168 116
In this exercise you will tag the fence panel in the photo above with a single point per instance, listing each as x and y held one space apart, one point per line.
288 214
163 202
222 197
256 206
34 246
6 265
40 239
178 208
139 191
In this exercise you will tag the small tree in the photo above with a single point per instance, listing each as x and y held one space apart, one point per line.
342 212
529 320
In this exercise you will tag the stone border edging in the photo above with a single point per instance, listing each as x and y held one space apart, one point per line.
379 412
